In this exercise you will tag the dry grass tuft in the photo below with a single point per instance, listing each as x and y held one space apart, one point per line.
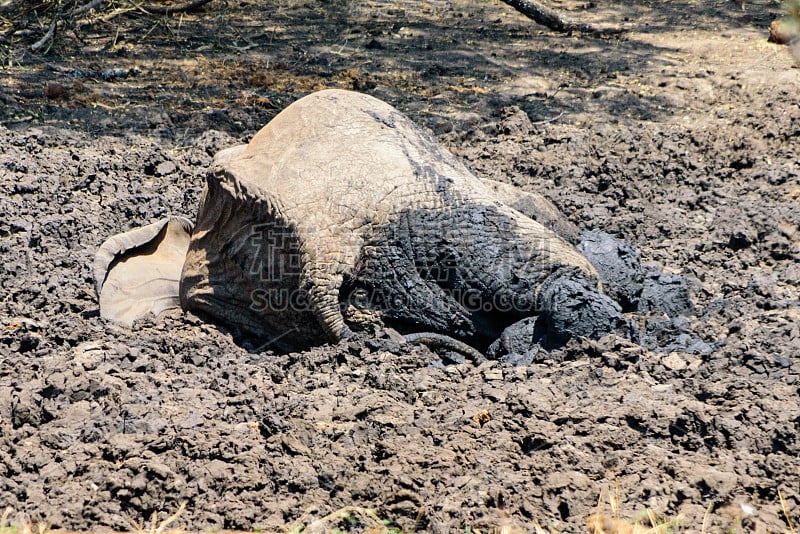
344 519
367 521
602 523
159 528
30 527
25 526
614 523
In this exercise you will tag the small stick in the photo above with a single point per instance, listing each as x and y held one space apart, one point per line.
26 118
180 8
786 512
50 32
551 119
94 4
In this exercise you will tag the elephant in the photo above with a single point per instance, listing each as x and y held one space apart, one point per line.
340 214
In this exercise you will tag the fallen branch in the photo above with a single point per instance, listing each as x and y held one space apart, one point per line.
51 31
107 74
94 4
180 8
554 20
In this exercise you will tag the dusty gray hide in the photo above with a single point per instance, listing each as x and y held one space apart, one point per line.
341 213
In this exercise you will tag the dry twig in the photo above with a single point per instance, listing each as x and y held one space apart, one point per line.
171 9
51 31
94 4
554 20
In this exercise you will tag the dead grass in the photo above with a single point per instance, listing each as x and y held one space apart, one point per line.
608 519
25 526
603 523
159 528
648 523
350 517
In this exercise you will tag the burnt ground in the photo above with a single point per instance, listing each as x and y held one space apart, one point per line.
682 138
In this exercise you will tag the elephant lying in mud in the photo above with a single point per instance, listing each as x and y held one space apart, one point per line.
340 214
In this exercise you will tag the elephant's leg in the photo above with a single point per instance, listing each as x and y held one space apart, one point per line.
491 259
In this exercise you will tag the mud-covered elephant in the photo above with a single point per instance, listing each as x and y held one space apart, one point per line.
341 213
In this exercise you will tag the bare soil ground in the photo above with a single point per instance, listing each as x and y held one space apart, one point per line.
681 137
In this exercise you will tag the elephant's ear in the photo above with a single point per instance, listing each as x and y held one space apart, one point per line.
138 272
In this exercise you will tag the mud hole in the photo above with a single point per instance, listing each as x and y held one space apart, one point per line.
682 138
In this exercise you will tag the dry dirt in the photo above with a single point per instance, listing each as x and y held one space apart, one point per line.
681 137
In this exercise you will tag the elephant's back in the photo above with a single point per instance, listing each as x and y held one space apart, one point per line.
351 157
